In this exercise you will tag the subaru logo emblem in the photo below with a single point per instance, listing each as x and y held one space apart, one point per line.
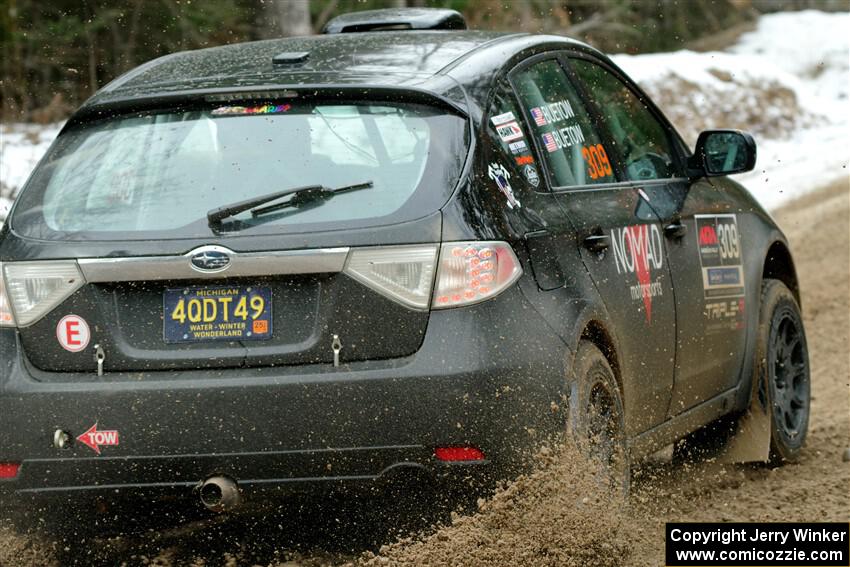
210 259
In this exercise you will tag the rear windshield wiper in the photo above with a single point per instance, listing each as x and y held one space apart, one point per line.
300 196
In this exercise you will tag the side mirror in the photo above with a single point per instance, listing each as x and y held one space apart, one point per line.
722 152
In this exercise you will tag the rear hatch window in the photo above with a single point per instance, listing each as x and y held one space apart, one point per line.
157 174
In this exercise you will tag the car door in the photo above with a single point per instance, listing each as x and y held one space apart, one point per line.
702 241
511 173
619 235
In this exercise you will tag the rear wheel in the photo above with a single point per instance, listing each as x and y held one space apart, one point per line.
784 378
596 415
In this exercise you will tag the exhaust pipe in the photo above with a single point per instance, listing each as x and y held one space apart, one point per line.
219 494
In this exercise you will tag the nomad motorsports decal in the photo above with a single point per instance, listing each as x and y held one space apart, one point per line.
638 250
95 439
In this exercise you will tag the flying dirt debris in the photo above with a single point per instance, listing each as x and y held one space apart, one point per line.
557 515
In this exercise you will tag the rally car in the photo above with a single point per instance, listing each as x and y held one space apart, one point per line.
395 248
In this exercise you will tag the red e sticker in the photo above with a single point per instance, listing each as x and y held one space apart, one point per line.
73 333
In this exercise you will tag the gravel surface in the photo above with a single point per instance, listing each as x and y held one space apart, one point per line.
557 516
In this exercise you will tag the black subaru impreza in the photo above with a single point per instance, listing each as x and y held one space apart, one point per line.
396 248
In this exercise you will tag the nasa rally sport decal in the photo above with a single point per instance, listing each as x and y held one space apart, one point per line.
73 333
638 250
95 439
502 177
719 245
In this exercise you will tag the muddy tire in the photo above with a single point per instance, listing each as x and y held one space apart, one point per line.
783 364
596 418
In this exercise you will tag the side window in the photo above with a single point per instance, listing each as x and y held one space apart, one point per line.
510 162
641 140
572 149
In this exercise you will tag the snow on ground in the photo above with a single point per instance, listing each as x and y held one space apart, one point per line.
787 82
21 146
807 44
815 47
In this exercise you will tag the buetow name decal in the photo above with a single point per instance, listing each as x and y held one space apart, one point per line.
552 112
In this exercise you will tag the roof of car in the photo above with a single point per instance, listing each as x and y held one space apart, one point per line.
406 59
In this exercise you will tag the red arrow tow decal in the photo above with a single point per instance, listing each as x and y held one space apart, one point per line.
95 439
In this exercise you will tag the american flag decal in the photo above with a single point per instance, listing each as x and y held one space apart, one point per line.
537 114
549 142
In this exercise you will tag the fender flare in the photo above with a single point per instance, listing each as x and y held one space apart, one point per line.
776 263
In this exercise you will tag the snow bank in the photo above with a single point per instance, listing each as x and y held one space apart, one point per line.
811 45
21 146
787 82
714 90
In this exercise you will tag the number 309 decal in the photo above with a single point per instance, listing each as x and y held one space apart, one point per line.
597 161
727 234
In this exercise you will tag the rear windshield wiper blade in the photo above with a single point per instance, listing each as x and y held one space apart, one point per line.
310 196
310 193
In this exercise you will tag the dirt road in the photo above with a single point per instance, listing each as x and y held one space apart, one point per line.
554 517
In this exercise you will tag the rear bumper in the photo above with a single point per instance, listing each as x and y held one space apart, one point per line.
292 428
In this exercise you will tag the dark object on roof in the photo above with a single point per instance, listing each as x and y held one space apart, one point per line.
396 19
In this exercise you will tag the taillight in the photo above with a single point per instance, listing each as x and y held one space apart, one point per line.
402 273
7 319
466 273
470 272
459 454
34 288
9 470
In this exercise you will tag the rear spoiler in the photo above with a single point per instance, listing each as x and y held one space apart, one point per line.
116 106
395 20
